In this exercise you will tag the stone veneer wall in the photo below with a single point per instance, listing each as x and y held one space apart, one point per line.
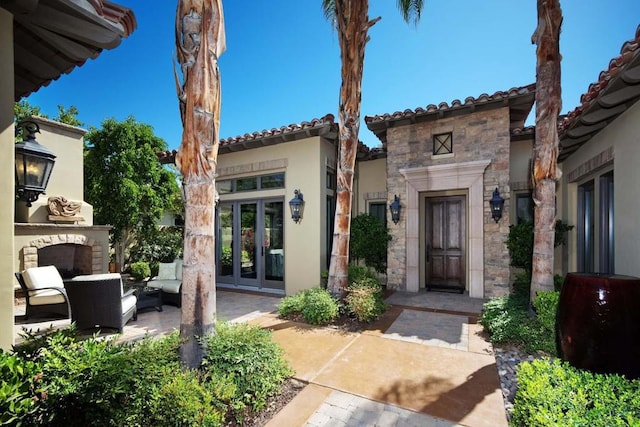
30 252
477 136
31 237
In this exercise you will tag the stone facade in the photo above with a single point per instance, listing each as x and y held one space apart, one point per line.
477 136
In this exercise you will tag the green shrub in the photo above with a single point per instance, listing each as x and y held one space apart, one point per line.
250 359
520 242
369 240
319 307
99 380
357 273
364 300
140 270
546 305
291 305
507 320
184 399
552 393
316 306
558 281
56 380
21 389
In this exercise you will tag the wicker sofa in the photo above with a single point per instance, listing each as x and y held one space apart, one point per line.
44 292
169 281
99 302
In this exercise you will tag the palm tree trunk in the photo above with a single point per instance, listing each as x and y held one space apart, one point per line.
545 150
199 40
353 24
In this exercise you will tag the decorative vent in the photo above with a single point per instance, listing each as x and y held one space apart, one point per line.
442 144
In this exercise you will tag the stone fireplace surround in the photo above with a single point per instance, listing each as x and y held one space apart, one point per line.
72 248
73 252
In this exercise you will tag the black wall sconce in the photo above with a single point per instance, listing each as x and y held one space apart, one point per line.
496 203
394 207
297 206
34 163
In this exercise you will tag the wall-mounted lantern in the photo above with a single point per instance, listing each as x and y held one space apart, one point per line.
496 203
297 206
34 163
394 207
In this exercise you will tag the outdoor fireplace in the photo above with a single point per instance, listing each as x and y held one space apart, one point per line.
81 250
69 258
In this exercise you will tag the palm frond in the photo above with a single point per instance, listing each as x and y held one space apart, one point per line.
411 10
329 10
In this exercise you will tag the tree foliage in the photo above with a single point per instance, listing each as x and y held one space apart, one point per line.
520 242
127 186
23 110
369 241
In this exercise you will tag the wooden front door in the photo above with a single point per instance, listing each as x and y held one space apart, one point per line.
445 254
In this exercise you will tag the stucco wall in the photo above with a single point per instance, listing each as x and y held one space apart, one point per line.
7 169
371 184
619 140
67 177
477 136
303 163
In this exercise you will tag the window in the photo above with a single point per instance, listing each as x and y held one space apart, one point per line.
272 181
224 187
585 228
379 210
331 180
442 143
524 207
607 264
251 183
246 184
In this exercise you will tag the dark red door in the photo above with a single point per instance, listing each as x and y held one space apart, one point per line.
445 242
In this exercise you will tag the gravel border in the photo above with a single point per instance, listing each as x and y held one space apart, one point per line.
507 361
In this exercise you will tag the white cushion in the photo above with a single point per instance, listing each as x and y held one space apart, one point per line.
42 277
167 271
128 302
45 296
178 269
169 286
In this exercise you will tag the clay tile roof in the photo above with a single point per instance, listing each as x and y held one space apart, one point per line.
617 88
518 134
324 126
519 99
53 37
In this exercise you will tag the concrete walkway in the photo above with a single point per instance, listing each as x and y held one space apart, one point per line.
424 363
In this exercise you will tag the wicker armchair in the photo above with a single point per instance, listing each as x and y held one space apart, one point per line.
98 302
44 292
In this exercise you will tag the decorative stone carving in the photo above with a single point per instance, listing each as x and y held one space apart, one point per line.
63 210
60 206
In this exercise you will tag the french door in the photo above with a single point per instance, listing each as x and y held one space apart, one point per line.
250 243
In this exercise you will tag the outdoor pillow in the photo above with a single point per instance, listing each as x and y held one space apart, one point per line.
178 269
42 277
167 271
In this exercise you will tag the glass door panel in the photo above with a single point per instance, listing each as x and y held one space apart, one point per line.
248 225
274 242
250 243
225 241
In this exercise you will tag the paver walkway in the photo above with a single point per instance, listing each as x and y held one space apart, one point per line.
424 363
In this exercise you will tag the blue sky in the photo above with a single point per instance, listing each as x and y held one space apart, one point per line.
282 63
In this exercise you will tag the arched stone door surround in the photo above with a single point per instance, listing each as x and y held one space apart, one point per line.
469 176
